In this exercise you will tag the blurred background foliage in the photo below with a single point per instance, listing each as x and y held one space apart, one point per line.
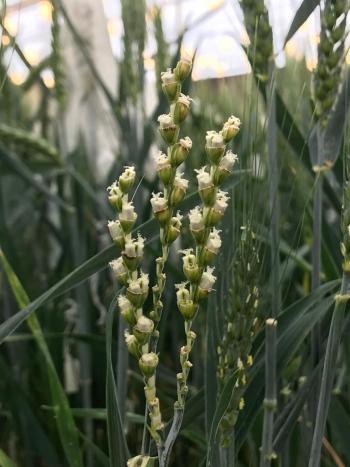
53 215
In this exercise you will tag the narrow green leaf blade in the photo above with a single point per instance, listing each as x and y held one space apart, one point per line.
17 166
5 461
220 411
210 367
118 449
292 331
65 422
99 455
302 14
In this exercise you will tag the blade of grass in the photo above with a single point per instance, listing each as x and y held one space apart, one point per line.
289 339
270 401
18 167
5 461
28 140
118 449
99 455
210 369
289 416
65 422
34 442
329 370
316 272
339 419
100 414
302 14
77 237
222 405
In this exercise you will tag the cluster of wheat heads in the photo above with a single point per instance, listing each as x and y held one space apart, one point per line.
142 336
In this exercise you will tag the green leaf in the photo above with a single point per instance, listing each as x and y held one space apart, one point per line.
328 372
289 129
294 325
29 141
18 167
64 419
101 414
118 449
302 14
98 454
36 441
194 408
287 419
81 273
210 367
339 419
5 461
220 411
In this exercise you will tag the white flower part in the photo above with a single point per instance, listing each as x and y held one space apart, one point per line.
214 241
221 201
210 134
233 121
162 160
180 182
158 202
179 216
129 172
134 286
165 121
182 294
196 219
186 142
129 338
139 285
168 76
208 279
214 139
123 303
186 251
144 281
115 229
240 365
130 248
348 228
144 324
228 161
181 285
114 190
204 178
140 244
128 212
118 266
189 259
186 100
176 221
